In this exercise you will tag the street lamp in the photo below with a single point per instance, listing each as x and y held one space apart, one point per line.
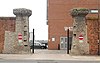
67 29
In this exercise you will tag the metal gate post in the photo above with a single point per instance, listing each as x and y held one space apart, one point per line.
68 41
98 29
98 48
33 42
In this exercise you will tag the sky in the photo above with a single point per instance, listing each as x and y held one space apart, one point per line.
38 18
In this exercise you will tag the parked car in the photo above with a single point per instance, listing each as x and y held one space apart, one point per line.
38 45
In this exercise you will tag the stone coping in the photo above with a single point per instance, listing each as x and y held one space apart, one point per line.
79 12
7 18
22 12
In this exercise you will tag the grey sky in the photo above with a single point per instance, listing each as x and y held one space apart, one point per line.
38 18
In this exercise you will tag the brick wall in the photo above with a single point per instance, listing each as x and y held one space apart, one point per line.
6 24
92 29
59 17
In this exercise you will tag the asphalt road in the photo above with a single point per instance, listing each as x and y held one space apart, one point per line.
47 61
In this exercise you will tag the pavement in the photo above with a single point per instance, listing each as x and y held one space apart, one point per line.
48 55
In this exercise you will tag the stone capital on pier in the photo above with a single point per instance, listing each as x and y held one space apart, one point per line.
22 12
79 12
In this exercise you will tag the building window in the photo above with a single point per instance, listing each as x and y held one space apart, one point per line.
62 39
94 11
65 39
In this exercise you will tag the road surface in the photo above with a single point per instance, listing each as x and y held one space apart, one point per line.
47 61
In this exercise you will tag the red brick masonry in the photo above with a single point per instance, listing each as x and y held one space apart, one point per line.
59 17
6 24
